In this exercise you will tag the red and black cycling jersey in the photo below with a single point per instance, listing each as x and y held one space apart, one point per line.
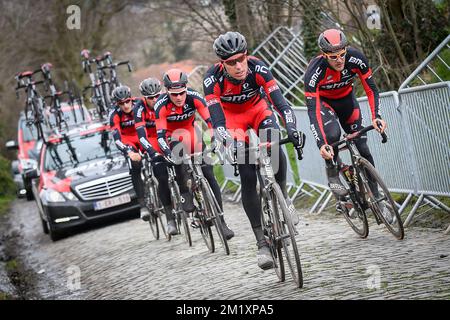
169 117
145 123
144 116
321 81
122 124
221 92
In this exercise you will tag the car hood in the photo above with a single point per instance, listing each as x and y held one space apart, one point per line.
93 169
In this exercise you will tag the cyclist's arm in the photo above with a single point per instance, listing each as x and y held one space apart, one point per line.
140 124
265 79
211 89
362 68
200 105
114 123
314 74
161 130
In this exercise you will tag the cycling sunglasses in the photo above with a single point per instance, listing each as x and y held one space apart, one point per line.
176 94
156 96
334 56
233 62
124 101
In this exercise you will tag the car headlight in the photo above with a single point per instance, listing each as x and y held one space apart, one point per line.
28 164
69 196
54 196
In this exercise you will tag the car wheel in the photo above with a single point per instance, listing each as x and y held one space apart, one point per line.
54 235
44 226
27 184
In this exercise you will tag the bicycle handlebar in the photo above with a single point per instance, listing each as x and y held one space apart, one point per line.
357 134
271 144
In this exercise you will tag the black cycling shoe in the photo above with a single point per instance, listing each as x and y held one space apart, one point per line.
335 183
187 202
264 256
172 227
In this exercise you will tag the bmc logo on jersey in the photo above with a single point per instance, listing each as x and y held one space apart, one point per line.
315 76
262 69
160 102
208 81
240 98
181 117
357 61
336 85
194 93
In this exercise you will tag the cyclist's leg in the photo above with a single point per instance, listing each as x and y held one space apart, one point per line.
136 178
268 130
181 178
333 133
135 170
251 201
351 121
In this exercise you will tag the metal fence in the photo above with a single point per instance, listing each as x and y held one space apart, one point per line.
427 111
282 50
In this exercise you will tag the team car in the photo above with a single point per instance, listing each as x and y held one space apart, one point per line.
81 177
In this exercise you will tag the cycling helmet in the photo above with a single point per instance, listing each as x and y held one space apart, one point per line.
332 40
121 93
229 44
175 79
150 87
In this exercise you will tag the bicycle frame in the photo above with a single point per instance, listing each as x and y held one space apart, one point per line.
354 184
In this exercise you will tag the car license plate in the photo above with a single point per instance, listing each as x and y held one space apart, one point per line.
112 202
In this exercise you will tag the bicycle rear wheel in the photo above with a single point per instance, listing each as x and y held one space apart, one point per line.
213 214
184 222
384 208
270 221
287 235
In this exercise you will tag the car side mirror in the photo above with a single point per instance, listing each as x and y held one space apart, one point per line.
32 174
12 145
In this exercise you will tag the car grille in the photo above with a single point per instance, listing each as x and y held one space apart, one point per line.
105 187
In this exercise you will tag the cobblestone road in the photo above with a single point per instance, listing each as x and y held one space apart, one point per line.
122 261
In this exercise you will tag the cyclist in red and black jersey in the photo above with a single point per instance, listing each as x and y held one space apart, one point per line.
145 123
175 124
233 92
330 97
121 121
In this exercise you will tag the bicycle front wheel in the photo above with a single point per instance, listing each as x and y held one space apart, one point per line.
270 222
150 202
213 213
287 236
384 207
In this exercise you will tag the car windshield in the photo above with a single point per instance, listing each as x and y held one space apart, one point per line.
72 151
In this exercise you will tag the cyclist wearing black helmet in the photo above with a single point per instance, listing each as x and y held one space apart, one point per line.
144 116
330 97
233 94
121 121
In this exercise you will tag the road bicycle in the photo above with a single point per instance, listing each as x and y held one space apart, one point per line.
34 104
362 181
208 214
276 217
